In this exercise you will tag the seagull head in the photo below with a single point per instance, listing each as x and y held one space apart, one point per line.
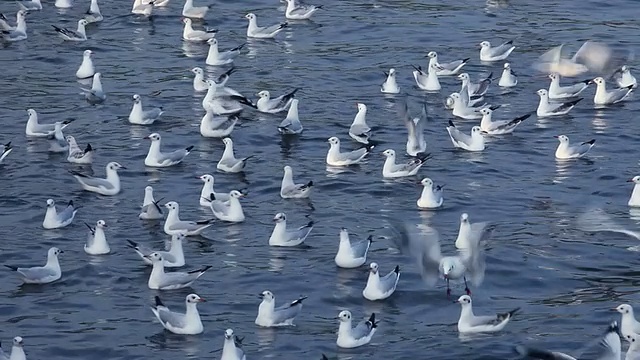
373 268
334 140
562 138
464 300
171 205
101 224
153 137
624 309
280 217
426 182
485 44
389 153
267 296
344 316
193 299
18 341
228 334
250 16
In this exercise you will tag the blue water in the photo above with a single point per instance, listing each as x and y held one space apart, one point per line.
564 280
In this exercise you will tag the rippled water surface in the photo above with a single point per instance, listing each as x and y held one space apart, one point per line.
564 280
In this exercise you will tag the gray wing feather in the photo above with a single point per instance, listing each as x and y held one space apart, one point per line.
359 129
459 136
177 278
185 225
361 330
451 65
286 312
389 281
352 155
501 49
36 273
152 113
425 249
66 214
95 182
169 317
360 248
472 256
270 29
300 233
219 206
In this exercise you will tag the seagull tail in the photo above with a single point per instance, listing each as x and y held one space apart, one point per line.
14 268
132 244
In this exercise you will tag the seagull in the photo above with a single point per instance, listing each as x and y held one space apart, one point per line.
97 241
557 92
55 220
470 323
189 34
416 143
623 77
86 69
428 81
57 141
160 280
281 236
380 288
194 12
96 94
566 151
138 116
467 231
465 111
474 89
30 5
63 4
17 352
156 158
217 58
430 198
232 349
79 35
230 210
77 155
291 124
199 82
207 190
46 274
297 11
188 323
173 225
267 32
359 130
591 56
217 127
17 33
508 77
604 97
545 108
499 127
475 142
352 254
390 86
291 190
20 17
228 162
271 316
269 105
391 170
628 323
93 15
223 103
107 186
634 200
337 158
150 210
360 335
6 150
500 52
445 69
173 258
143 7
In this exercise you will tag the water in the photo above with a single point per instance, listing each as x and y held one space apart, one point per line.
564 280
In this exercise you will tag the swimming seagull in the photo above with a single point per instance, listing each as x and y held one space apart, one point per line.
96 94
281 236
445 69
139 116
499 127
604 97
291 124
475 142
546 108
222 104
143 7
207 190
291 190
228 162
217 127
430 198
199 82
229 210
380 288
628 323
63 4
173 258
97 240
156 158
86 69
465 111
30 5
55 220
468 263
623 77
173 224
93 15
428 81
46 274
297 11
17 33
352 254
470 323
390 86
634 200
416 143
107 186
508 77
359 130
232 349
161 280
267 32
20 17
6 150
266 104
271 316
497 53
79 35
194 12
189 34
348 337
337 158
150 209
17 352
36 129
57 141
557 92
475 89
216 58
77 155
391 170
187 323
566 151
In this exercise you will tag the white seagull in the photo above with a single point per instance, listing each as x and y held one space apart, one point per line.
297 11
160 280
416 143
17 352
623 77
566 151
391 170
57 141
281 236
56 220
499 127
228 162
428 81
380 288
93 15
430 197
558 92
291 124
591 56
189 34
465 110
360 335
212 126
352 254
173 258
216 58
207 190
271 316
229 210
359 130
475 89
628 323
156 158
497 53
291 190
470 323
86 69
143 7
20 17
508 77
475 142
609 97
173 225
267 104
96 94
546 108
194 12
78 35
199 82
232 349
187 323
337 158
36 129
107 186
14 33
634 200
139 116
97 241
445 69
77 155
150 210
390 85
267 32
46 274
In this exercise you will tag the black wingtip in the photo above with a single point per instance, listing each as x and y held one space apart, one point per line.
510 42
14 268
423 156
372 320
88 148
189 148
56 28
495 107
451 123
590 142
158 301
284 25
514 311
132 244
68 121
310 224
397 269
629 87
588 81
370 239
489 76
309 184
369 147
419 69
299 301
320 7
464 61
324 357
570 103
205 268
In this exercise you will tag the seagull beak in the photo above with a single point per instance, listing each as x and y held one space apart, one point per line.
146 137
555 136
61 252
123 167
454 301
260 296
147 257
630 180
202 300
613 309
